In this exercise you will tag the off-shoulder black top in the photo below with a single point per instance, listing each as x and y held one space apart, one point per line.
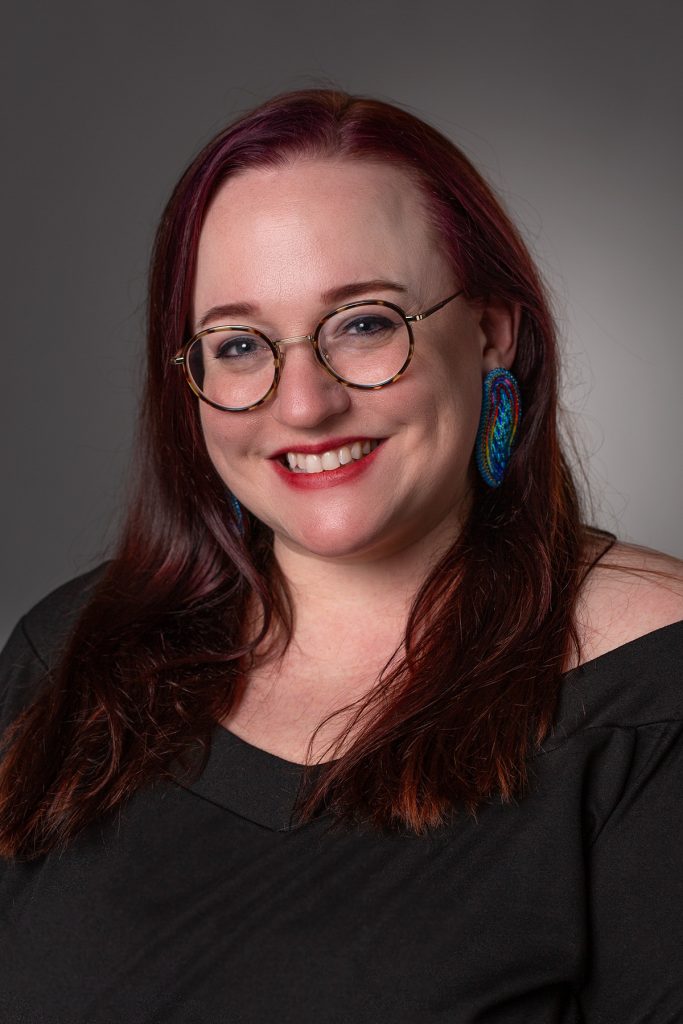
201 903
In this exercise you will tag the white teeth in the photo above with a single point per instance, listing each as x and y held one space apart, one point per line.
332 459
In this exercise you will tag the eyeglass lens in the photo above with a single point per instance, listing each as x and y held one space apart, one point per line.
366 345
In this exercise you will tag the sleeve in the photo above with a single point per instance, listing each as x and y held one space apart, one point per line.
636 891
37 641
22 670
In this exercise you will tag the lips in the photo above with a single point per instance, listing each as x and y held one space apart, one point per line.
330 459
325 456
330 444
327 467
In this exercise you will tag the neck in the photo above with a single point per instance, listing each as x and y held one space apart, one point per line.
349 622
351 599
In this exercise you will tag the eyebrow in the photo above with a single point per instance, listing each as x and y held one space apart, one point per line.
339 295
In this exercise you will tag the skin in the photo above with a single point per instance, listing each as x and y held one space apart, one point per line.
356 553
305 229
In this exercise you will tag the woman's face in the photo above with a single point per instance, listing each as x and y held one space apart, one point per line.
282 241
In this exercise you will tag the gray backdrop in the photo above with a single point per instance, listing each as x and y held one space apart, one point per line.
572 111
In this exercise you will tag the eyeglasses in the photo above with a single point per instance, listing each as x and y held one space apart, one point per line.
366 345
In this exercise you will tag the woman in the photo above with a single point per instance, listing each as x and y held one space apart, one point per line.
360 723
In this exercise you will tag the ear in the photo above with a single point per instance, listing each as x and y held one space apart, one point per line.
499 325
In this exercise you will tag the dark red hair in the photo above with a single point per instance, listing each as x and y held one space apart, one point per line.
156 657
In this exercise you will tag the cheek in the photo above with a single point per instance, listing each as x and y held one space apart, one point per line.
220 437
451 389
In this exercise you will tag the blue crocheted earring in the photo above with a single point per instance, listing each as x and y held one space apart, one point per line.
239 514
500 413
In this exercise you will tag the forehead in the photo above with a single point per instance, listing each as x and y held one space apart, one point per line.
313 224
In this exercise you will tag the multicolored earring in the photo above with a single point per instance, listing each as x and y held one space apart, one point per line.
500 412
239 514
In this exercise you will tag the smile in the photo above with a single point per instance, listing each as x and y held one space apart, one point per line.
324 462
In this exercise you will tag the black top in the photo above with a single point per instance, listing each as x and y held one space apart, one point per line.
201 904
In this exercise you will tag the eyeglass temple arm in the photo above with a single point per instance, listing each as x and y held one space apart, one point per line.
416 317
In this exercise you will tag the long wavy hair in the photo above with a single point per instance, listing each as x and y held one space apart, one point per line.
157 656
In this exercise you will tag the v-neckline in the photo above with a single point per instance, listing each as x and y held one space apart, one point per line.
263 788
250 782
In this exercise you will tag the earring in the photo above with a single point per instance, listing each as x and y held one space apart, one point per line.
500 413
239 514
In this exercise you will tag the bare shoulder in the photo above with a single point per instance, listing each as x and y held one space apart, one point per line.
631 591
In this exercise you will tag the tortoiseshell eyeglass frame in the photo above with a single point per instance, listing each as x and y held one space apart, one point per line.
277 348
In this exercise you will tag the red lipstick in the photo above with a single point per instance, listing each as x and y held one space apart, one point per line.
324 446
327 477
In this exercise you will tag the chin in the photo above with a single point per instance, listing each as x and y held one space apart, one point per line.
324 540
324 546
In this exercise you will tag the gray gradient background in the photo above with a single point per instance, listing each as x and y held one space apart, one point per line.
572 111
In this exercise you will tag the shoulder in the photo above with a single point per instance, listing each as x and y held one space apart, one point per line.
627 678
37 640
48 623
51 619
630 592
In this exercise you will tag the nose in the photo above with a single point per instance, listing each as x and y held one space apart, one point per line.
307 394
